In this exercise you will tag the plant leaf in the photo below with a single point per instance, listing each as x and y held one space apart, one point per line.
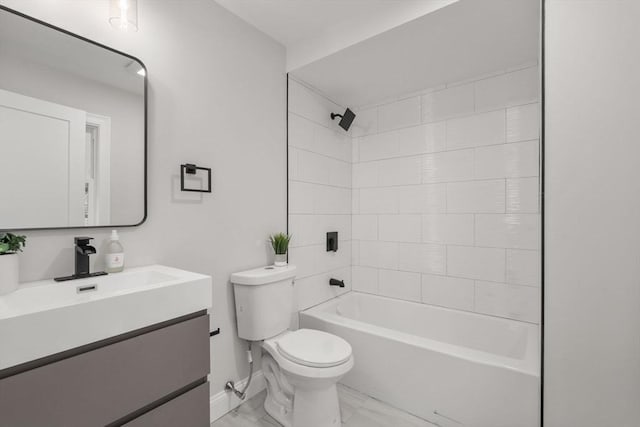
280 243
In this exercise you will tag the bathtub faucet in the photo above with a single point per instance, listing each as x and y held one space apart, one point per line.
336 282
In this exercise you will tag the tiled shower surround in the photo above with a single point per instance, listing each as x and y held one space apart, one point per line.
444 200
319 196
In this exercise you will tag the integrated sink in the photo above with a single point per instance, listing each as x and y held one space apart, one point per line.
38 296
47 317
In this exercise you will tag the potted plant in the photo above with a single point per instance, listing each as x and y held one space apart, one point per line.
10 245
280 243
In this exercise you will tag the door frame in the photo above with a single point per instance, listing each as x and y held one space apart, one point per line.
102 208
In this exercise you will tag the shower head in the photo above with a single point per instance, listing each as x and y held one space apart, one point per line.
345 119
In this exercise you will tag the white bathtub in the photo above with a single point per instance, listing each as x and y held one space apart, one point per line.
449 367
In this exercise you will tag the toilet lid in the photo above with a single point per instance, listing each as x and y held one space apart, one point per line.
313 348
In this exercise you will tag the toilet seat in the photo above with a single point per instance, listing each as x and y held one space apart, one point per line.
313 348
293 367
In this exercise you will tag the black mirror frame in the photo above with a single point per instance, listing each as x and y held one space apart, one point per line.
146 84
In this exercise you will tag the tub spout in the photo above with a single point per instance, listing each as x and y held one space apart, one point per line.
336 282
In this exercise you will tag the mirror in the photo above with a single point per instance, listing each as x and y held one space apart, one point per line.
72 130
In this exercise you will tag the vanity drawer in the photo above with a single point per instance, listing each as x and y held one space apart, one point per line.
104 385
187 410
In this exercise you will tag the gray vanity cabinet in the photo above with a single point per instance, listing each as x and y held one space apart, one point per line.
188 410
154 377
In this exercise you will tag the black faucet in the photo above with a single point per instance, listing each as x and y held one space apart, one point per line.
82 251
336 282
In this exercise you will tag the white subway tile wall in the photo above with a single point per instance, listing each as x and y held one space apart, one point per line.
445 196
448 291
445 104
320 181
435 196
399 114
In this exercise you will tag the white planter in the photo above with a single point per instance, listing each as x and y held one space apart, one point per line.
281 260
9 271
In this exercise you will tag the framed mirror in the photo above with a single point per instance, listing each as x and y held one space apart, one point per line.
73 130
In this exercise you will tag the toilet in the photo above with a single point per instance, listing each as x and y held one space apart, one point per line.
301 367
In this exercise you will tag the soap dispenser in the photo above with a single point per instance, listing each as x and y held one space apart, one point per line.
114 258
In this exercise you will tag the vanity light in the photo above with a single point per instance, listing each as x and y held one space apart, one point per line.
123 14
134 67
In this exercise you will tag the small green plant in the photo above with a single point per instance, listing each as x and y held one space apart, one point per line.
11 243
280 243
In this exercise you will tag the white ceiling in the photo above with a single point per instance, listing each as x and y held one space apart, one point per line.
311 29
455 43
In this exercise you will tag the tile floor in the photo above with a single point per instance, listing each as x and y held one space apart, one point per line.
358 410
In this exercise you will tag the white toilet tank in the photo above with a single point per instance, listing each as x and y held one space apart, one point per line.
264 301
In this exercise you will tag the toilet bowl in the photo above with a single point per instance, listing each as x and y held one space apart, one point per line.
302 369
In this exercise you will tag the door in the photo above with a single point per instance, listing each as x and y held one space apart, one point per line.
42 156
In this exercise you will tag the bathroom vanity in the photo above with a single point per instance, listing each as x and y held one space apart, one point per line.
128 349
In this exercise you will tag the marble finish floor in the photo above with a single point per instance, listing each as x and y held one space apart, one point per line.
358 410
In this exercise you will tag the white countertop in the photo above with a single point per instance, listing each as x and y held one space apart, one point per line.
46 317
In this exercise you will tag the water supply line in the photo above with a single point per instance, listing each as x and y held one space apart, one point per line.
230 385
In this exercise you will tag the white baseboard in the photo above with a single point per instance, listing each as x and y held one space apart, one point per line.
224 401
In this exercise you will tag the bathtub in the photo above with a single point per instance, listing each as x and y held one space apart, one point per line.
450 367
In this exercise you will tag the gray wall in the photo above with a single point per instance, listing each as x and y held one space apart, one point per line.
217 97
592 228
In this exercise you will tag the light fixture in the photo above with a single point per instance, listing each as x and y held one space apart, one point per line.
136 67
123 14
